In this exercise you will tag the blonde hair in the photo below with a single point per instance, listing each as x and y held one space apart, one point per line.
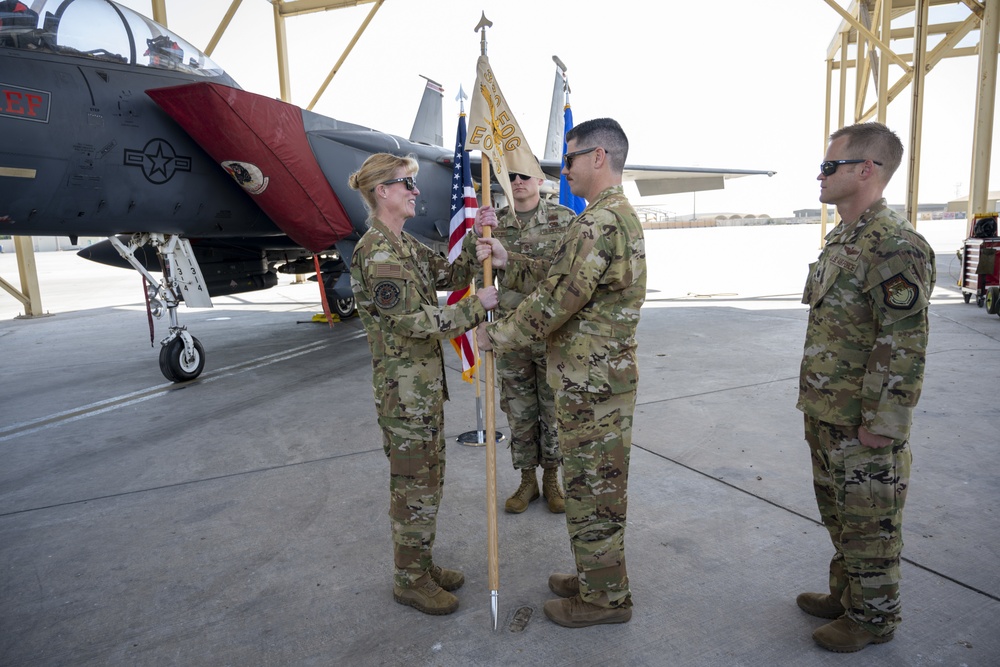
377 169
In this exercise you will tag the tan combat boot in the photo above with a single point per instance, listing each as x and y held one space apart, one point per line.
820 605
450 580
525 493
426 596
575 613
845 636
565 585
551 490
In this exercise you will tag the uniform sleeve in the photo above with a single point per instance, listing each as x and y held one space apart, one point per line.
455 275
899 289
396 299
569 285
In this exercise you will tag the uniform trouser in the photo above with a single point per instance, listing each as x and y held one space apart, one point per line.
595 438
416 482
527 400
860 493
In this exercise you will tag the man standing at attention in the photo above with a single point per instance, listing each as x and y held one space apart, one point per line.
533 227
587 309
861 376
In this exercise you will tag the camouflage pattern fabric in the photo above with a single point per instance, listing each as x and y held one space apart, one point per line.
525 395
587 309
866 339
395 283
860 493
863 365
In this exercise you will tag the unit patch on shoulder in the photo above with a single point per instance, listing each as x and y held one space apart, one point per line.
386 294
900 293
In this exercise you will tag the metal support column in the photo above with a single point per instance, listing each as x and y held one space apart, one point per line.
982 139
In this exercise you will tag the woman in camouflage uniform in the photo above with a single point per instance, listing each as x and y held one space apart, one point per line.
395 280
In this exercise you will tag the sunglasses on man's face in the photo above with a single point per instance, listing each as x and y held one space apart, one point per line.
405 180
523 177
829 168
568 157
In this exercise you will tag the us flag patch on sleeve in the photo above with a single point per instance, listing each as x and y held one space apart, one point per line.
900 293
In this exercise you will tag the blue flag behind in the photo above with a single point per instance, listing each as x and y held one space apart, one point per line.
566 196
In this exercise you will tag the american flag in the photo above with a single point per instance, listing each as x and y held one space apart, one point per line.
463 215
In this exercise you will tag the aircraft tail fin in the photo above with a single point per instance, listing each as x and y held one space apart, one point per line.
554 137
428 126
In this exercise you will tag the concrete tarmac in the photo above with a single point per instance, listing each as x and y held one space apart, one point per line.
240 519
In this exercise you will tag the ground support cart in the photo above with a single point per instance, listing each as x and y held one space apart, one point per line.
981 264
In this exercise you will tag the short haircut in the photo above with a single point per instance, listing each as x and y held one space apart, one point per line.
606 133
377 169
873 141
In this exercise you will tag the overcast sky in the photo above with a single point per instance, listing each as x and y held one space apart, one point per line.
729 83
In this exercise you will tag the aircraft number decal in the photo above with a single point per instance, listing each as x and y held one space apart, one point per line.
158 161
249 176
24 103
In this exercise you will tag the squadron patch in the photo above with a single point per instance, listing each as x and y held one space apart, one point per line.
386 294
900 293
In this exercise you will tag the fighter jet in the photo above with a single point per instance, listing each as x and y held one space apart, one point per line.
115 126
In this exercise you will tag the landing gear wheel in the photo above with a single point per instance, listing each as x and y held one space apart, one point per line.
344 308
175 367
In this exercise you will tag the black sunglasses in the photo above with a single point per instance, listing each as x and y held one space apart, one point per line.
568 157
523 177
829 168
405 180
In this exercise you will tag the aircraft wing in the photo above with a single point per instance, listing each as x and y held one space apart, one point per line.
656 180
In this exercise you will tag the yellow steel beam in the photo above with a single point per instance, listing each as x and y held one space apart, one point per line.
985 103
343 56
916 110
223 26
160 11
281 44
28 272
869 35
296 7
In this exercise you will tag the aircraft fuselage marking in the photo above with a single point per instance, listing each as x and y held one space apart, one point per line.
24 103
158 161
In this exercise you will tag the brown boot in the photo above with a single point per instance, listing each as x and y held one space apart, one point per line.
525 493
845 636
820 605
450 580
426 596
551 490
564 585
575 613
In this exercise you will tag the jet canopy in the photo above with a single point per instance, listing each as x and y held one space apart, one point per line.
101 30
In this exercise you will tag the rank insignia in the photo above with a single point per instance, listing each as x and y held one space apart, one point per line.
386 294
900 293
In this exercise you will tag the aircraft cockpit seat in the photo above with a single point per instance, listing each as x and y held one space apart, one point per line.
17 24
164 52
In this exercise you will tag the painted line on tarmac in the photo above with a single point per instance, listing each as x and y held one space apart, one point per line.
132 398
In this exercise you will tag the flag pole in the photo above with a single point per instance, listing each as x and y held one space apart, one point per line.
493 538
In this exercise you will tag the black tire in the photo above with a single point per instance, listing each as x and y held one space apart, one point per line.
980 300
344 308
993 300
967 296
172 363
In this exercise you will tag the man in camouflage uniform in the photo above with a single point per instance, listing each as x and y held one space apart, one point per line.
587 308
862 371
395 279
534 228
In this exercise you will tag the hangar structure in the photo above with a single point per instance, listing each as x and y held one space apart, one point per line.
872 39
893 44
